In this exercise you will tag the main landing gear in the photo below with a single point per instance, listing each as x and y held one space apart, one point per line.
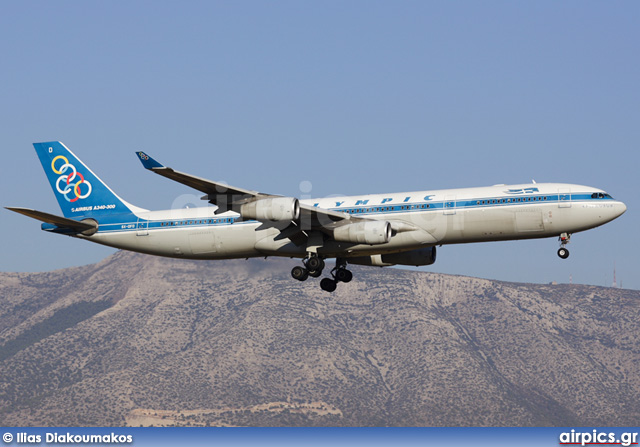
313 266
564 239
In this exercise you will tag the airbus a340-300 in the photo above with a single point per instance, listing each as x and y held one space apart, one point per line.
378 229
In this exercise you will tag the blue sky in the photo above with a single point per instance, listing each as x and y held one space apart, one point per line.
351 97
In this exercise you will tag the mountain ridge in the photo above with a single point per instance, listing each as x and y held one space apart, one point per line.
241 343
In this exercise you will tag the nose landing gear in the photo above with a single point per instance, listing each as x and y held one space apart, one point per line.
564 239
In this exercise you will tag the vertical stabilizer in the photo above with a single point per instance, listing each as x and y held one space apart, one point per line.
79 191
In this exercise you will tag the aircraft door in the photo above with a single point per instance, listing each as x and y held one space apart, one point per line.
564 198
450 205
143 227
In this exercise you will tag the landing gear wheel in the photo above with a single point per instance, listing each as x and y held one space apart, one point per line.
563 253
299 273
315 264
343 275
315 273
328 284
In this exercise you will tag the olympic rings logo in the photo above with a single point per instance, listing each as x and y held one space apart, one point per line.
143 156
69 187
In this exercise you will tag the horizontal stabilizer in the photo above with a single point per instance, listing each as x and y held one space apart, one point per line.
61 222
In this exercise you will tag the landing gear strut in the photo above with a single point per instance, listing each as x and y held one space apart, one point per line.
564 239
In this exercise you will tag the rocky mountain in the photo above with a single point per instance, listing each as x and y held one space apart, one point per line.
138 340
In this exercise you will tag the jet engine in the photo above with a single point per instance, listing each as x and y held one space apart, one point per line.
369 232
273 209
421 256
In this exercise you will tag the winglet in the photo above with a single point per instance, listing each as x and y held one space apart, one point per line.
148 162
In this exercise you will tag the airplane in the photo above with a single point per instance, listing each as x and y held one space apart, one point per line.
376 229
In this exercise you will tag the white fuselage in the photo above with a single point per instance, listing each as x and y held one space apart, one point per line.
419 219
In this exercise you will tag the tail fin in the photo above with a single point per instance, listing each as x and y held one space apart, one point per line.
79 191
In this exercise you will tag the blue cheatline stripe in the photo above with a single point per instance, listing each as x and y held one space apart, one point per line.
483 202
152 225
122 225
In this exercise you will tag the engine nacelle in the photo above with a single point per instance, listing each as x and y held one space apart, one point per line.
273 209
421 256
369 232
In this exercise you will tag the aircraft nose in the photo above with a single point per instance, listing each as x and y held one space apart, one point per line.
620 209
611 211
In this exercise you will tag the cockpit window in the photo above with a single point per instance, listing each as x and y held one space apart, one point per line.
600 195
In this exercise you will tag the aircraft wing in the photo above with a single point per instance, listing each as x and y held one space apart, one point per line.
225 196
217 193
